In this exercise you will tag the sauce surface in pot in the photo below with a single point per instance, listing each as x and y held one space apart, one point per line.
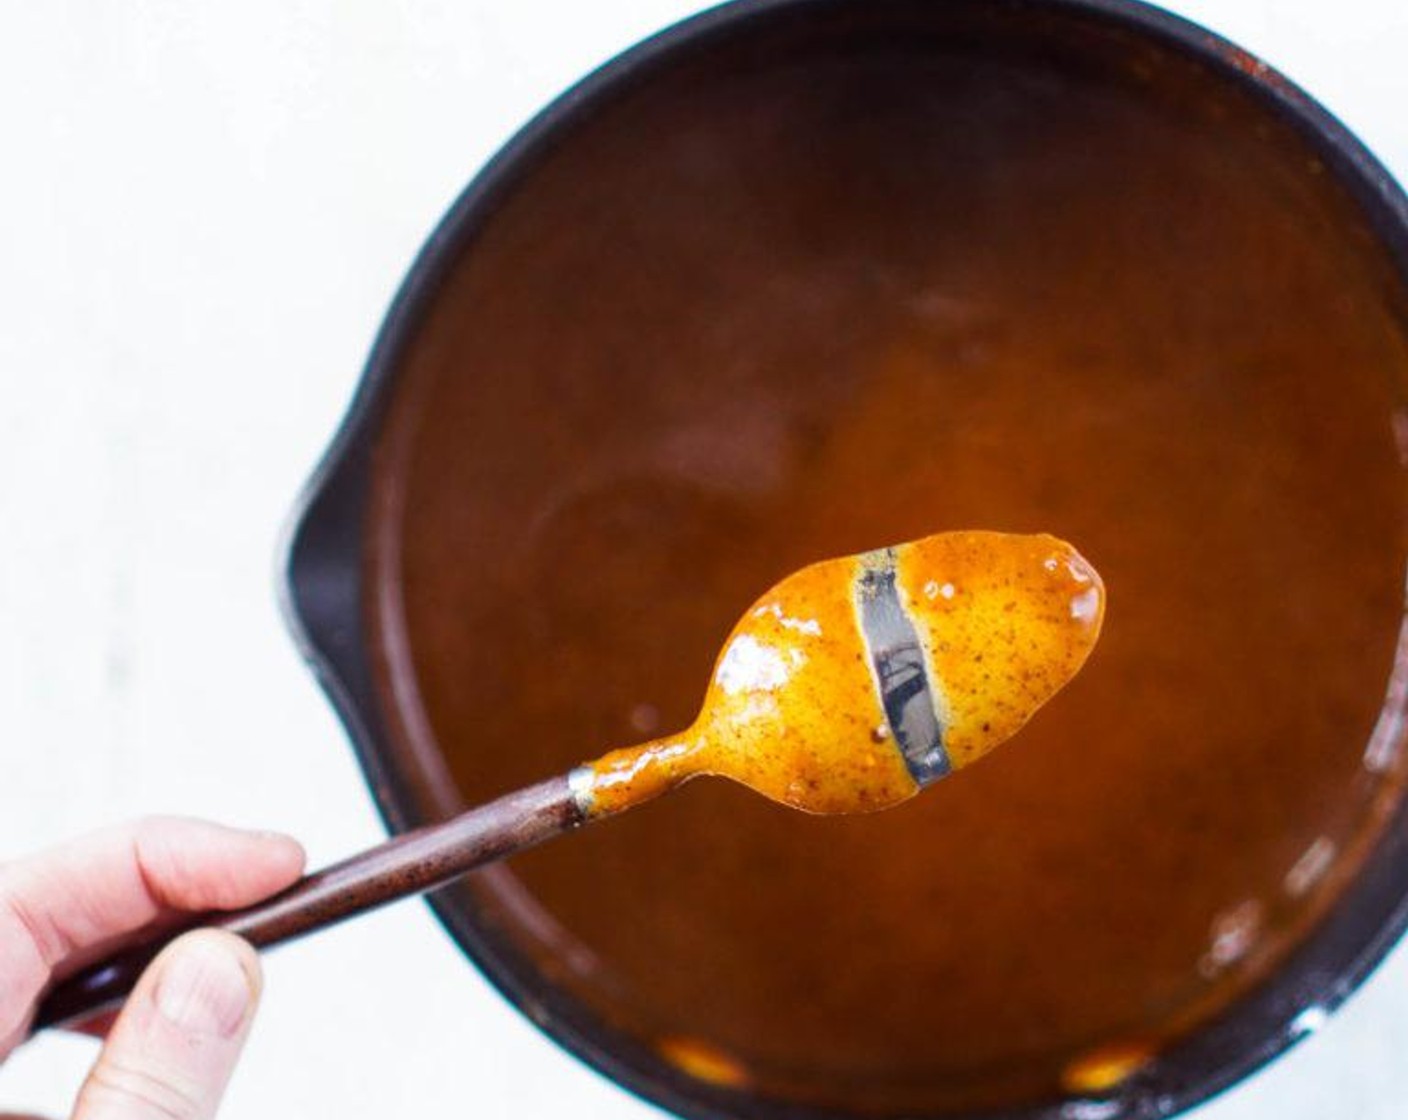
787 302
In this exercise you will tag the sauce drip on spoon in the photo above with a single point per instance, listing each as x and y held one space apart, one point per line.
855 682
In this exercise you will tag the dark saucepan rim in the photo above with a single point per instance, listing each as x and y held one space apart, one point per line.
321 594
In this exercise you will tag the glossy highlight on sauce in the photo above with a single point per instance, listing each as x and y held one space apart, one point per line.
814 702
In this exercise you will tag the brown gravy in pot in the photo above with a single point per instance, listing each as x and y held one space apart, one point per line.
738 323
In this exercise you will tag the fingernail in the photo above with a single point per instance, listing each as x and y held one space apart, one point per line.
204 989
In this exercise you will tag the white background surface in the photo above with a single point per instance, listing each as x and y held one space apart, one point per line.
204 210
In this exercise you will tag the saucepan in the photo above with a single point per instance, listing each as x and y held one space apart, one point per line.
795 278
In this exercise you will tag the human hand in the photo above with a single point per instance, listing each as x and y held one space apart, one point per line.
171 1049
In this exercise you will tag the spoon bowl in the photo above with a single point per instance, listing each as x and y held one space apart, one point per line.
855 682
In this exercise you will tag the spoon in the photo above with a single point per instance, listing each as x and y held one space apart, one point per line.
846 688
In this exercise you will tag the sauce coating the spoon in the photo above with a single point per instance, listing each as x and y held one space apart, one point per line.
855 682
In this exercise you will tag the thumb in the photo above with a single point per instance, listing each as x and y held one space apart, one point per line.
173 1047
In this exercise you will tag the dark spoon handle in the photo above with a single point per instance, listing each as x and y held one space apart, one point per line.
405 865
